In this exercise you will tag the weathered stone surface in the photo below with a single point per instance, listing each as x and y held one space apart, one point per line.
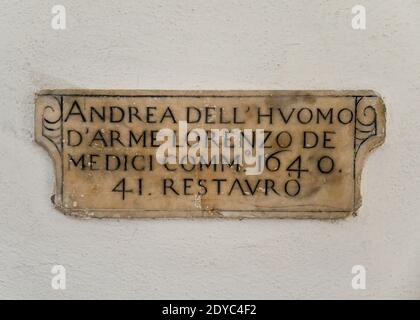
103 146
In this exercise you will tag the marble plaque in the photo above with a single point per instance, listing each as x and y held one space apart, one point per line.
104 146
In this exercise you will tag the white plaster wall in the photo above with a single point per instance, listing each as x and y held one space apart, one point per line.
210 45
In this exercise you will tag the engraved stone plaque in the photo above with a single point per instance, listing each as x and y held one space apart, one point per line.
104 146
